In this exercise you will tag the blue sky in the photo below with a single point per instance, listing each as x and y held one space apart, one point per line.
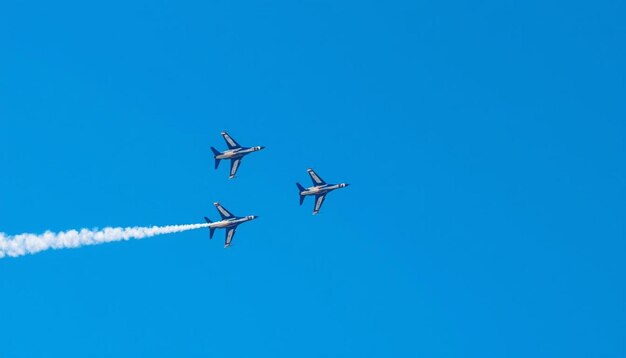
484 142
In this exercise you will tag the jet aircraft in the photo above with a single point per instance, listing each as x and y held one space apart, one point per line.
235 153
320 188
228 222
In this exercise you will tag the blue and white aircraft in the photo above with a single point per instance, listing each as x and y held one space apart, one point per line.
235 153
228 222
320 188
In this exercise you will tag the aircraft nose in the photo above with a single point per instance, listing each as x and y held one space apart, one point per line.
261 147
255 216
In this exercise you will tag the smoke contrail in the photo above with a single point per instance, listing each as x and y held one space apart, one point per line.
25 244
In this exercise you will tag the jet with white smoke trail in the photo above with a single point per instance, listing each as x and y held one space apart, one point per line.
229 222
25 244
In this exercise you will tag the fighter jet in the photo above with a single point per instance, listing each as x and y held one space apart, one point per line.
228 222
235 153
320 188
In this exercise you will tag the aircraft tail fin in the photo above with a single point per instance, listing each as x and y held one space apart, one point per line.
215 154
301 189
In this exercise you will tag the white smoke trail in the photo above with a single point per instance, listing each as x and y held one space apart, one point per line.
25 244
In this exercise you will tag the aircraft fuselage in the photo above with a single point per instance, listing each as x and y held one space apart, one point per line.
231 222
322 189
237 153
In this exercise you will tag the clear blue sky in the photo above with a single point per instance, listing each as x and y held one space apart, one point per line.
484 141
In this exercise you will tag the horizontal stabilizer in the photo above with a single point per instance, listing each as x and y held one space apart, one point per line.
215 154
211 230
301 189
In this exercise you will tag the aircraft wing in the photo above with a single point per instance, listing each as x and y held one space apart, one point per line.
230 142
317 181
319 200
230 233
225 214
234 165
